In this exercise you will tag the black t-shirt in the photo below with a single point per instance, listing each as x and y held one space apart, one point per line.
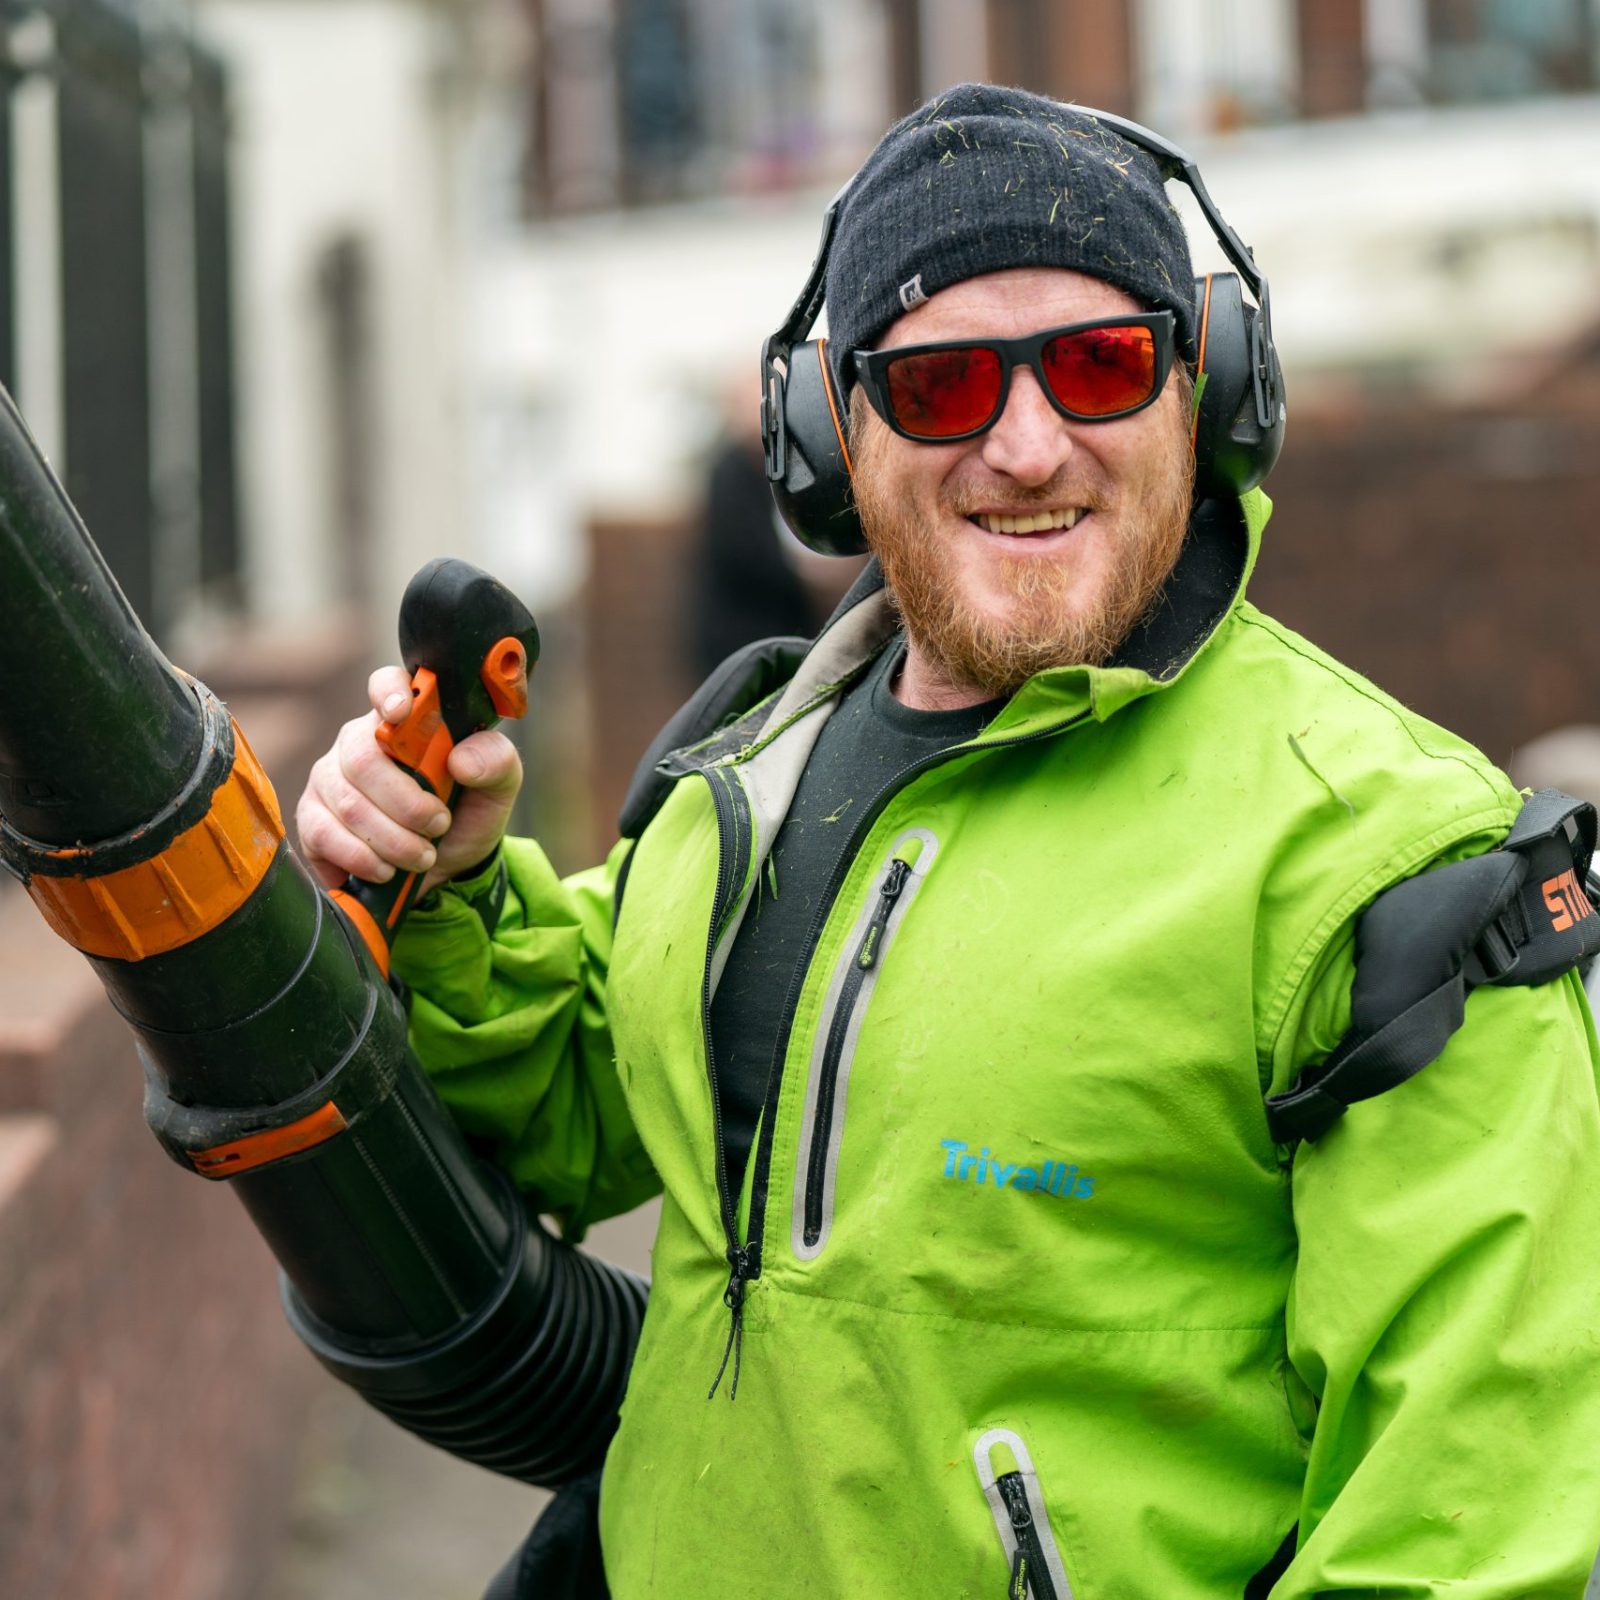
868 741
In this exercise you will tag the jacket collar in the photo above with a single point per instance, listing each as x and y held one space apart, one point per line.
742 708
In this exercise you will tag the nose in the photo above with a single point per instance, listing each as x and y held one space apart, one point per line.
1032 441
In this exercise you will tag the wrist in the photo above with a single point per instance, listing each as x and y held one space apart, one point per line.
482 886
478 874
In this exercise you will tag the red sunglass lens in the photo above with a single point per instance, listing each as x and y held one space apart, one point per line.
942 393
1101 371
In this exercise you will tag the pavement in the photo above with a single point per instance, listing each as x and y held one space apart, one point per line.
379 1515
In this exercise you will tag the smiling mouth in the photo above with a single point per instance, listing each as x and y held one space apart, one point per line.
1040 522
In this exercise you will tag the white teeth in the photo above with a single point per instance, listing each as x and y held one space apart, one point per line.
1043 522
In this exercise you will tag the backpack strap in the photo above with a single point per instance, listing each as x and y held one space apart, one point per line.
709 724
741 684
1517 915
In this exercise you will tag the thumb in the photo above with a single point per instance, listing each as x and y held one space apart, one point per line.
487 762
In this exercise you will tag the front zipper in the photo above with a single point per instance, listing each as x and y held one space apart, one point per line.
852 988
1017 1503
744 1260
1030 1578
864 960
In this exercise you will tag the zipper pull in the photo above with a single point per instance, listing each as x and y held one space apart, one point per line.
1017 1589
1015 1495
1016 1499
746 1264
893 887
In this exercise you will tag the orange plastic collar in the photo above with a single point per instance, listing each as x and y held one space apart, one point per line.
191 887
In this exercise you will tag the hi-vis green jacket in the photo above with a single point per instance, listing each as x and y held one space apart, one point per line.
1031 1304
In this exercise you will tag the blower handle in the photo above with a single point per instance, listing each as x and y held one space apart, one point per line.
469 645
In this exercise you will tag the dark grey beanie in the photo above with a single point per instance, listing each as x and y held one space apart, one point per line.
983 178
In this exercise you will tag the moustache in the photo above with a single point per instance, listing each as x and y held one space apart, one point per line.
964 502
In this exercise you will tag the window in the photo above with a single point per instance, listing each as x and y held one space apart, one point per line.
1511 49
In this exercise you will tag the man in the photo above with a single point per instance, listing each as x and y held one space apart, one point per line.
941 992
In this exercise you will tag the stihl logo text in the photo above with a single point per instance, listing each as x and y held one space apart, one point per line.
1566 901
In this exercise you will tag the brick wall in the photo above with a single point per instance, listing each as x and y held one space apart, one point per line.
1081 52
635 613
1450 554
1333 57
150 1393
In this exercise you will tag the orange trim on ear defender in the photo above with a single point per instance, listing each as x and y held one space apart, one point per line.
1200 366
833 409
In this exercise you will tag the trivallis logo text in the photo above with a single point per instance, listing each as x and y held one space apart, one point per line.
1056 1178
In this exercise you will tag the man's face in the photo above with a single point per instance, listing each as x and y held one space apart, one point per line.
988 609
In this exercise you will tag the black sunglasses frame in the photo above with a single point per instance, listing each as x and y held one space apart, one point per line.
872 370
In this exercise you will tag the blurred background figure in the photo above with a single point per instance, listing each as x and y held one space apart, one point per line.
300 295
747 582
751 578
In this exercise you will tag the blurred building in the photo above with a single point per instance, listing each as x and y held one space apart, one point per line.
1398 164
1421 178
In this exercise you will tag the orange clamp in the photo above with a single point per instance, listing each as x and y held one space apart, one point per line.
361 920
186 890
258 1149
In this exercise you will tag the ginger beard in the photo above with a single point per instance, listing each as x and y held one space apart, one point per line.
1054 612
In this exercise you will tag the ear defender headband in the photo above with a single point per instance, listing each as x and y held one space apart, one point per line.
1239 414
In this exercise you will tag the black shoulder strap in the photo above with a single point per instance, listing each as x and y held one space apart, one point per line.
741 683
748 677
1519 915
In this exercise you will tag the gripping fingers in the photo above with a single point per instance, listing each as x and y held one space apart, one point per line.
488 769
398 797
392 844
332 851
361 814
340 827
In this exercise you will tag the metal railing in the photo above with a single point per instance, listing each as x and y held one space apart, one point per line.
115 313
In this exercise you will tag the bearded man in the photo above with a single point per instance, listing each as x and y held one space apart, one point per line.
942 975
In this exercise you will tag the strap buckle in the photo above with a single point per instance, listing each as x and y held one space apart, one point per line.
1493 959
1520 915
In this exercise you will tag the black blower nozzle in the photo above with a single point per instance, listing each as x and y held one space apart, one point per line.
274 1049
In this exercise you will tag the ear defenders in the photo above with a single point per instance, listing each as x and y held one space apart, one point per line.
1240 409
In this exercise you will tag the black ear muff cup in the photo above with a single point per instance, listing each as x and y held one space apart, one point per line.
1233 451
813 495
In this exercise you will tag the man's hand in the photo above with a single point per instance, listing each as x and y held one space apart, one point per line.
360 814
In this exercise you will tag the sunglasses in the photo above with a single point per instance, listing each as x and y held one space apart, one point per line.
1089 371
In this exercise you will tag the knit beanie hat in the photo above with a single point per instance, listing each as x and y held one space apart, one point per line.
983 178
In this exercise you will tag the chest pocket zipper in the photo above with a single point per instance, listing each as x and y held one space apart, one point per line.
849 990
1005 1471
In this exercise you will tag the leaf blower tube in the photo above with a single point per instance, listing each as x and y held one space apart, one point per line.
274 1049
